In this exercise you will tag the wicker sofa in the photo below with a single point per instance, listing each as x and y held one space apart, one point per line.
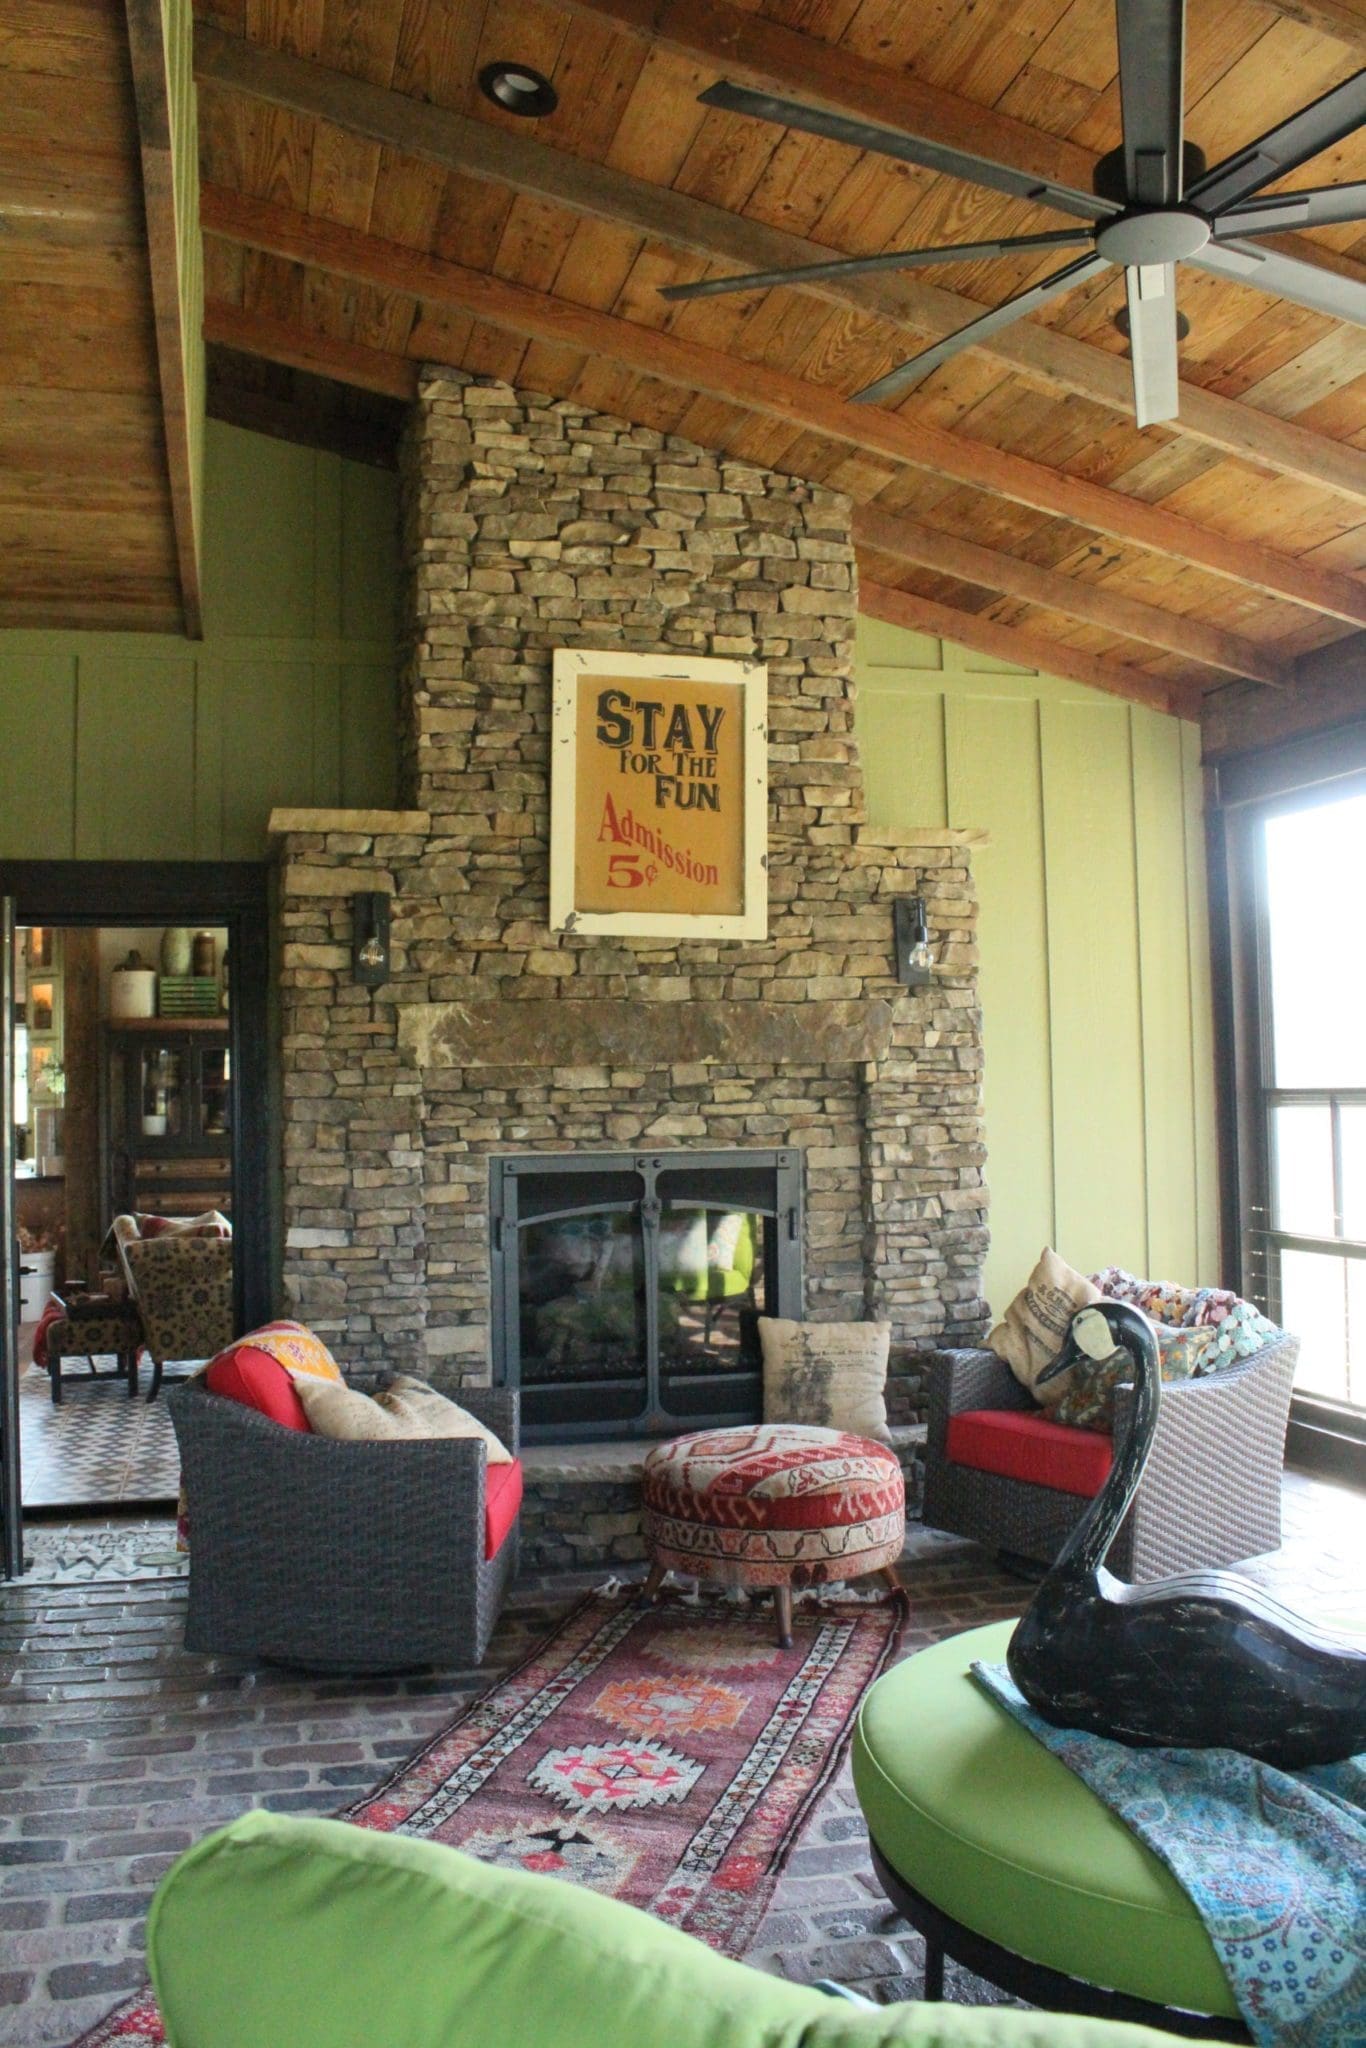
339 1556
1211 1491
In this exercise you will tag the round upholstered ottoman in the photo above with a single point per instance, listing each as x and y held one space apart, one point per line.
774 1506
1006 1861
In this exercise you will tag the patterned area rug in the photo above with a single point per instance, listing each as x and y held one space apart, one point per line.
78 1553
666 1755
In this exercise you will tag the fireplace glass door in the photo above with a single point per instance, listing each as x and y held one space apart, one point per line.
628 1287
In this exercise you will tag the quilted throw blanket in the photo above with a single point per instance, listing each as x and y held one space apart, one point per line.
1273 1861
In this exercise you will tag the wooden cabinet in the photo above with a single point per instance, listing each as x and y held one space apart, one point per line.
167 1116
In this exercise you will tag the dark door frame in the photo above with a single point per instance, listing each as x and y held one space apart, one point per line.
235 894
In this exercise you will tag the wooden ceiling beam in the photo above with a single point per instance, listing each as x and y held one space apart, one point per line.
906 540
1342 661
347 362
1025 650
171 204
749 49
456 143
757 387
1344 20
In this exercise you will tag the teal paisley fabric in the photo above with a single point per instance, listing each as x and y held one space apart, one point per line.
1089 1399
1273 1861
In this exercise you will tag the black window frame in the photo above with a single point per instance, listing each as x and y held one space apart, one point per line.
1244 791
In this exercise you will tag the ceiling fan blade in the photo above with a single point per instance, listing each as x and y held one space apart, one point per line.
910 149
1152 58
859 266
1282 148
1307 284
929 359
1318 207
1151 289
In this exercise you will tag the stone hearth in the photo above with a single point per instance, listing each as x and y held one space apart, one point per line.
530 525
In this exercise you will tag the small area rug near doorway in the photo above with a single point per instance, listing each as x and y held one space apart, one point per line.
665 1755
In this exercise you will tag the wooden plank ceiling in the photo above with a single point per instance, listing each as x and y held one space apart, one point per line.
91 530
366 208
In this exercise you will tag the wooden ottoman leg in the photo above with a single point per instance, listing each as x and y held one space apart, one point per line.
933 1989
888 1573
654 1580
782 1600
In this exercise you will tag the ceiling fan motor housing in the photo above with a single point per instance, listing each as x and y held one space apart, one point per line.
1153 234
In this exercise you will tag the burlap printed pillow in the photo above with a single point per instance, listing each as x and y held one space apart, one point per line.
424 1412
828 1375
408 1408
345 1413
1034 1328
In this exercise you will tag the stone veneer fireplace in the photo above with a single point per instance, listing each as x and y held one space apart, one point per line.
530 524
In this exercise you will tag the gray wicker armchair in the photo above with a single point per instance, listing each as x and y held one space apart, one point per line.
1211 1492
339 1556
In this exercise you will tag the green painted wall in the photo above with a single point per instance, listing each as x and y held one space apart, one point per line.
1094 949
141 746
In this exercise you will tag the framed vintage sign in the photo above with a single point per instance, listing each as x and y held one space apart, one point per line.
659 796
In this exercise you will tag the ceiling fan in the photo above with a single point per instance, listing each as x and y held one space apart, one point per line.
1155 205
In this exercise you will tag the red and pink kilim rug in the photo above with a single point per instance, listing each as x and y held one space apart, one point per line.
666 1755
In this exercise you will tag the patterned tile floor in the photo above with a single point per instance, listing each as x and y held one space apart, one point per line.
117 1750
98 1447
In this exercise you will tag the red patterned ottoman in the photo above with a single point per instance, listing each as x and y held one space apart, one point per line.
776 1504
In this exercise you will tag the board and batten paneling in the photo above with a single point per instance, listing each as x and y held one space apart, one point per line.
148 746
1094 947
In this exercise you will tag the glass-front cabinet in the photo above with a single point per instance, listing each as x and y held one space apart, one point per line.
168 1117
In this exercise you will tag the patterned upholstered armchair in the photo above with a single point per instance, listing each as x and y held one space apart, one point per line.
182 1285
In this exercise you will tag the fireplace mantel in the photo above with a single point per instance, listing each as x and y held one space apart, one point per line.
561 1032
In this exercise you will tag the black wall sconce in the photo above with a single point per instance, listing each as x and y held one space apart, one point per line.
370 939
911 939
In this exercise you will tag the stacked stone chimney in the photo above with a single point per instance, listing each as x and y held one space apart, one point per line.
530 524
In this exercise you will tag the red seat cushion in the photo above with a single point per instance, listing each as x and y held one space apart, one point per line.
53 1313
1025 1445
258 1381
502 1499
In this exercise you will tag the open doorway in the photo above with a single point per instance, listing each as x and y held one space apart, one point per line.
123 1113
139 1119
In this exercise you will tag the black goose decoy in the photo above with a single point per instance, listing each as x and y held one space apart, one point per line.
1204 1660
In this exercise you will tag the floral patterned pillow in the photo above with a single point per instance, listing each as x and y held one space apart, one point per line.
1189 1308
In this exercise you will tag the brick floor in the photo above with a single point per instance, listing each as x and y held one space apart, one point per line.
118 1749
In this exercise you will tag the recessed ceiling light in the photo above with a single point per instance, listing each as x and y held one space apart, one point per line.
517 89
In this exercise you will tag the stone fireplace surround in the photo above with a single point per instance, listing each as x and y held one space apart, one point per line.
530 524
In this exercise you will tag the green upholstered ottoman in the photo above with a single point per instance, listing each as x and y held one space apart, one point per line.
1005 1861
